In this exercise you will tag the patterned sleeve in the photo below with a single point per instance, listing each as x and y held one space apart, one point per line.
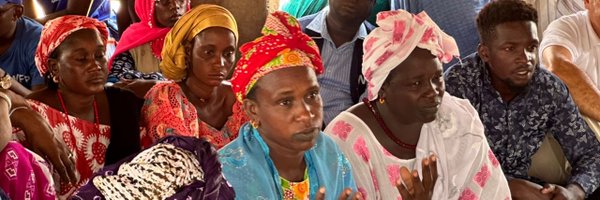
579 143
123 66
167 111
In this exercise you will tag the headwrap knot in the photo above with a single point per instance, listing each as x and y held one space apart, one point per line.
282 45
398 34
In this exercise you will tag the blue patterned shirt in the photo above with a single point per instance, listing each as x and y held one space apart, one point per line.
515 130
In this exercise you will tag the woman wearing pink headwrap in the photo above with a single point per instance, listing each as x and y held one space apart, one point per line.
410 139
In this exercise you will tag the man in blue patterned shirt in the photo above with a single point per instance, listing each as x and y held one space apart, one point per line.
519 102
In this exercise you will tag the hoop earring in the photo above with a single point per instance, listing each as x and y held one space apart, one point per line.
381 100
55 79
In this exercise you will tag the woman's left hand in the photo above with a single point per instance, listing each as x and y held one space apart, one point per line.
413 187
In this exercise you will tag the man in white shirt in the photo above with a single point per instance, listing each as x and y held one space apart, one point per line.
550 10
571 50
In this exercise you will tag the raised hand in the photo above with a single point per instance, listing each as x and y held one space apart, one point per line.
412 188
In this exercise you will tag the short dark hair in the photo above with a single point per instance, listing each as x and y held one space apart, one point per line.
502 11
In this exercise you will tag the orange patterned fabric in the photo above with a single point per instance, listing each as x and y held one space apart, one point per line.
168 112
282 45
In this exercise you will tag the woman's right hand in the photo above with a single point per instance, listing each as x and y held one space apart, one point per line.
344 196
415 189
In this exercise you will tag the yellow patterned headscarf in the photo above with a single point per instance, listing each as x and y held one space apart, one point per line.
173 65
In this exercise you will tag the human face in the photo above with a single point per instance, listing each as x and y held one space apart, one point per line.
414 89
355 10
167 12
81 63
9 13
511 55
213 54
288 109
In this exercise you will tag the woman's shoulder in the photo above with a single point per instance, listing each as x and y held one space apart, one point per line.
353 120
458 118
43 98
225 90
166 88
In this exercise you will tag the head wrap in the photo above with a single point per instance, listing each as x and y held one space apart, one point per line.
143 32
185 29
282 45
57 30
398 34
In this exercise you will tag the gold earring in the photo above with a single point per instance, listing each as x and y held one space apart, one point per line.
381 100
254 123
55 79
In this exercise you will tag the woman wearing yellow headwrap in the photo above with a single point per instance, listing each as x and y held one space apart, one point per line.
198 53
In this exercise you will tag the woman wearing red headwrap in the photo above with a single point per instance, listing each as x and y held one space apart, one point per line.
283 149
98 125
138 53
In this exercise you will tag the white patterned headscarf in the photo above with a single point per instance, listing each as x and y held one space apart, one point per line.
398 34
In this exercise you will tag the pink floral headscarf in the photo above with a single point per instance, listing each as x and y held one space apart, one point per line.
398 34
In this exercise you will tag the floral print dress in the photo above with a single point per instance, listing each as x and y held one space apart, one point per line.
295 190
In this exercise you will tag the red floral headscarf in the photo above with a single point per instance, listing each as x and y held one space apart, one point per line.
56 31
282 45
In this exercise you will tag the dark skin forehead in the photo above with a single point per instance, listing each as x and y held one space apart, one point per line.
411 68
280 82
518 32
74 40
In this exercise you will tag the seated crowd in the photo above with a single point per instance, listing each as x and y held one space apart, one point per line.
333 105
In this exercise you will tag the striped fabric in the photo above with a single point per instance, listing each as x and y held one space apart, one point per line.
335 80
